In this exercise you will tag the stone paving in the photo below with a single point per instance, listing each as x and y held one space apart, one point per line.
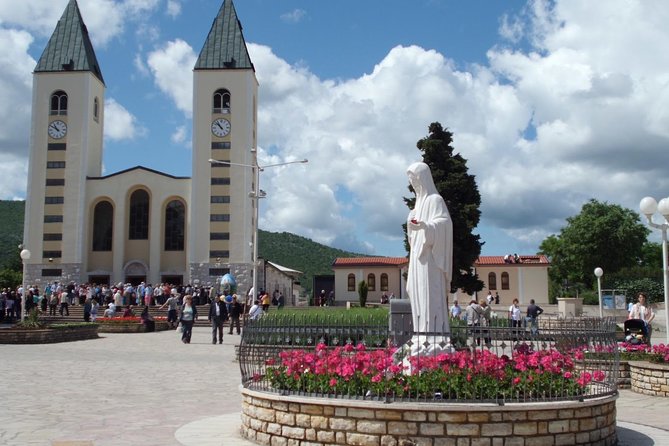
151 389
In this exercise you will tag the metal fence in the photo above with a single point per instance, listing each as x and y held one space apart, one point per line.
360 358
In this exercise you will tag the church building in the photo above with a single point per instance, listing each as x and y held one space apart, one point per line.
140 225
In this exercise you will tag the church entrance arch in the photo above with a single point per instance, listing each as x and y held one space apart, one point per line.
135 272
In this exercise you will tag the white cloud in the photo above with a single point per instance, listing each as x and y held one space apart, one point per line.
180 135
294 16
120 124
173 8
172 68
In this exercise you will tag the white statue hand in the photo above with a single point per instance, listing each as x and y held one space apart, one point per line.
415 224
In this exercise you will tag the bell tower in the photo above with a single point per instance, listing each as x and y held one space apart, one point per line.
65 148
225 92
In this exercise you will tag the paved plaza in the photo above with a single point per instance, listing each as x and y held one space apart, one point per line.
150 389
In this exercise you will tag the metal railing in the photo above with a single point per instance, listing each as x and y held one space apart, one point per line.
358 359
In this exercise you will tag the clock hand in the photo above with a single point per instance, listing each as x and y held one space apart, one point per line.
219 125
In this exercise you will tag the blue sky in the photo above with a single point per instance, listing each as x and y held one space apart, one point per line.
552 103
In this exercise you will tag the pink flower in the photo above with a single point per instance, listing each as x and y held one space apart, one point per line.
376 378
516 381
567 375
333 382
598 375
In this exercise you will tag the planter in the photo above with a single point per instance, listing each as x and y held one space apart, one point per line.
130 327
624 379
273 419
649 378
48 335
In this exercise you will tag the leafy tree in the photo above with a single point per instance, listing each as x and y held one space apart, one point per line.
461 194
604 235
363 289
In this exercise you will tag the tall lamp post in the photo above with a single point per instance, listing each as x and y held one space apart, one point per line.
25 256
599 273
255 194
648 207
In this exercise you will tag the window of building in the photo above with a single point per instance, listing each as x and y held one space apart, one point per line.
219 254
219 217
384 282
52 236
138 227
96 109
55 181
52 272
175 226
351 282
219 236
220 145
103 224
56 146
492 281
371 282
221 101
219 181
54 200
55 164
218 271
52 254
505 281
59 103
53 219
220 199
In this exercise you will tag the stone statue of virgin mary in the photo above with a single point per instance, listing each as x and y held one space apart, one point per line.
430 233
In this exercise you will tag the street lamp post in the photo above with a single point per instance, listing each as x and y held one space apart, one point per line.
255 194
599 273
25 256
648 207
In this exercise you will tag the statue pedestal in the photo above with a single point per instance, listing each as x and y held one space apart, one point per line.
570 306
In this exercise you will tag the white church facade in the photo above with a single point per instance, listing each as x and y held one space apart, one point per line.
140 224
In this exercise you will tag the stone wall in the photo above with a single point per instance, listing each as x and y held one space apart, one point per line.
48 335
649 378
275 420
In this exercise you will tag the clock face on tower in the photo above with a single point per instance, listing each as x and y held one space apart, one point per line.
220 127
57 129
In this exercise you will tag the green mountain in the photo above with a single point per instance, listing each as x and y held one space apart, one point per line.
285 249
300 253
11 233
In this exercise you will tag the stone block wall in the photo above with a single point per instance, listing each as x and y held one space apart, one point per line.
649 378
47 336
274 420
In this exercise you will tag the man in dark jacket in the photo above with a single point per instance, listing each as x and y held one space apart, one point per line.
218 314
533 312
235 313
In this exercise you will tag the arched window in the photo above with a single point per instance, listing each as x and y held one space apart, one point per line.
384 282
96 109
103 224
505 281
492 281
371 282
138 228
351 282
175 223
59 103
221 101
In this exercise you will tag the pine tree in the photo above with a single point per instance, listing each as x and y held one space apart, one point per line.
461 194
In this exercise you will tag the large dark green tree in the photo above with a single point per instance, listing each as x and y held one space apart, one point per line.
461 194
601 235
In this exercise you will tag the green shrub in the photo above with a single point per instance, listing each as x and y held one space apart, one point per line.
362 293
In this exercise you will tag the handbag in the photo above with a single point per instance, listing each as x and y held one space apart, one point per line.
180 328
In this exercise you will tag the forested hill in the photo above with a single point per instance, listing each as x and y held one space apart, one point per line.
285 249
11 233
300 253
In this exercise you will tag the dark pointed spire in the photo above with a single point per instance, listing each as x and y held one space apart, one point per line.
70 48
225 46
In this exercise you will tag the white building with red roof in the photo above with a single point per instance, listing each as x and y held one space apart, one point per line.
382 274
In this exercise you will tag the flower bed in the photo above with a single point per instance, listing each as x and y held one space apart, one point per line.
131 324
650 378
49 335
463 376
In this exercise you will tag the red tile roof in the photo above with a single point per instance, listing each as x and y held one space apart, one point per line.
524 260
369 261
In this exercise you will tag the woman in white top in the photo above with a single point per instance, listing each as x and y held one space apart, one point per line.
515 314
641 310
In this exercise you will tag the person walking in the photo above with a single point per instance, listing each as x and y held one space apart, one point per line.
456 310
172 307
235 314
515 313
64 303
218 314
533 312
484 321
472 314
87 309
95 306
187 318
